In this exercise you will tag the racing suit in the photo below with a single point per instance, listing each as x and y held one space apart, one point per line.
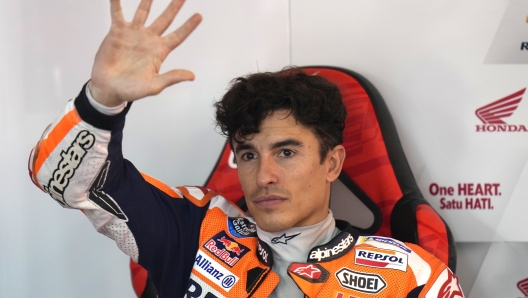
194 242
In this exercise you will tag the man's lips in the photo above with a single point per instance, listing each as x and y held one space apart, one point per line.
268 200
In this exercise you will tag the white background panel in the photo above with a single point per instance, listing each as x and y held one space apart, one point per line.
506 264
427 61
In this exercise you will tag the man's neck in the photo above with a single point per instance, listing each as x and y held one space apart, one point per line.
295 243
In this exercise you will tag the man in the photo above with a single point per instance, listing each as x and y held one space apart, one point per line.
286 132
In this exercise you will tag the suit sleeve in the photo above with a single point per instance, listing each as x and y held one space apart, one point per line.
79 163
434 278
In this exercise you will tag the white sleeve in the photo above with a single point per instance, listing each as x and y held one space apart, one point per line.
110 111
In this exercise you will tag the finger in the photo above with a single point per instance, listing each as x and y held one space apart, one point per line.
170 78
165 19
175 38
142 12
116 12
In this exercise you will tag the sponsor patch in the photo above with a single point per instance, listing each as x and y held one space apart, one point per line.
381 258
241 227
226 248
387 240
360 281
284 238
264 253
70 161
310 272
199 289
215 272
451 287
332 250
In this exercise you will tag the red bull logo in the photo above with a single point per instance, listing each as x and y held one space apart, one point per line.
225 248
231 245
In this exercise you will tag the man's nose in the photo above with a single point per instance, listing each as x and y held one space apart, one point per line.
267 172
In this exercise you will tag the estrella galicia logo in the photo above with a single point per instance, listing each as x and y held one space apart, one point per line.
241 227
226 248
492 115
70 160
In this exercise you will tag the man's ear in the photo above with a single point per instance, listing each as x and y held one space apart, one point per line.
334 161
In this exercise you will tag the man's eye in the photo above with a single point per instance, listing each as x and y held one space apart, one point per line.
248 156
286 153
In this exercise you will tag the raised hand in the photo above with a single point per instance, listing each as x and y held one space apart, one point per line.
127 64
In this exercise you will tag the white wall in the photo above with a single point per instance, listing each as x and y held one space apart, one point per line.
435 63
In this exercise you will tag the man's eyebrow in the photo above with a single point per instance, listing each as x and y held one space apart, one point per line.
243 146
288 142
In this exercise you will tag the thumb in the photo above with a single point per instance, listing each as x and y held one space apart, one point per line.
169 78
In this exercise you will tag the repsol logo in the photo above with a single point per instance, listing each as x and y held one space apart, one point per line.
359 281
380 257
70 161
263 253
333 251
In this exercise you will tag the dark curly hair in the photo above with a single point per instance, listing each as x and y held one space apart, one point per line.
314 101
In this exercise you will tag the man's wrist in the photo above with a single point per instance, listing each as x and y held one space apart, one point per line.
101 107
102 97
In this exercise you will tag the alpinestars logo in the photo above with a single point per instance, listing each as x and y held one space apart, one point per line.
313 273
451 287
493 114
70 161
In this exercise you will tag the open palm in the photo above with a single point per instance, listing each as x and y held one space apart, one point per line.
127 64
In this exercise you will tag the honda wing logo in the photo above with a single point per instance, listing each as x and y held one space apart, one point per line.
523 286
493 114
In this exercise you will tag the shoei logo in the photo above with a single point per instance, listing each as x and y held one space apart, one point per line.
70 161
226 248
381 258
523 286
493 114
359 281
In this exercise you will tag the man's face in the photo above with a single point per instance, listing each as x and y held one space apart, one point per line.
280 170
